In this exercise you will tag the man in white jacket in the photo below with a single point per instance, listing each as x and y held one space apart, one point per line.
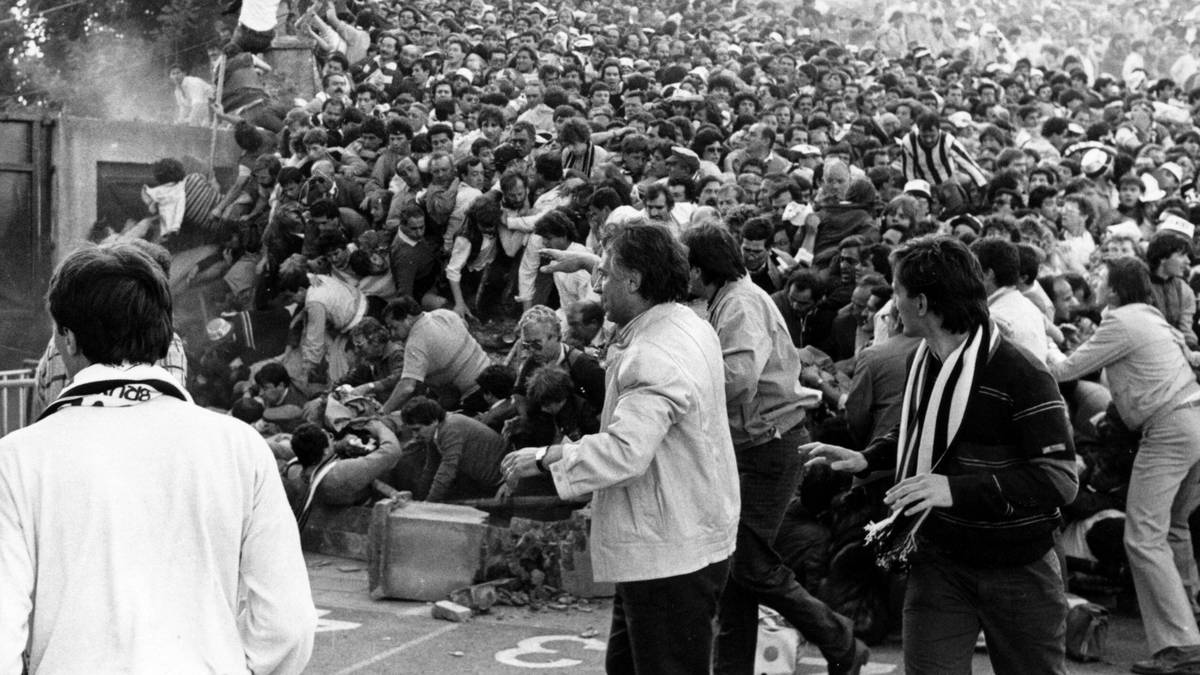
140 533
661 472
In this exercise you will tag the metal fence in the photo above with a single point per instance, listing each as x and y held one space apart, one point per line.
16 392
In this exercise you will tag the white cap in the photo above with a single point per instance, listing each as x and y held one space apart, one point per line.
1173 223
1173 169
919 186
961 119
1094 161
1151 191
1125 228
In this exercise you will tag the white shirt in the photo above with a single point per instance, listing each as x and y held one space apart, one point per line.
154 538
574 286
259 15
1019 320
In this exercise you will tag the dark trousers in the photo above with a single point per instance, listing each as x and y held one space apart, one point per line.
498 286
769 476
253 41
1022 611
665 626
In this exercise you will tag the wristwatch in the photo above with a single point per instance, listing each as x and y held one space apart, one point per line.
538 458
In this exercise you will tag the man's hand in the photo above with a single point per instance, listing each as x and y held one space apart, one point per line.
919 493
839 458
519 464
464 312
362 390
568 261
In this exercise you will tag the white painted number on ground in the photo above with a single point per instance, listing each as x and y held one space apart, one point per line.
327 625
535 645
869 669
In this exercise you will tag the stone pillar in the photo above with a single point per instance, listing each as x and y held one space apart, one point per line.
294 69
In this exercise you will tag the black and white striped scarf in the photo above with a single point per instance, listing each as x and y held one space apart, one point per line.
929 423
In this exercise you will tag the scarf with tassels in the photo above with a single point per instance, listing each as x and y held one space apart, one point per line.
929 423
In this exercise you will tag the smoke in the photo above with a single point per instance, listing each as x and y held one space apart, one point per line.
108 75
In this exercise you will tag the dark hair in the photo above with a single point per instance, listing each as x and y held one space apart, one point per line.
805 279
605 198
309 443
401 308
422 410
590 311
944 271
758 228
548 384
371 330
272 373
1129 279
497 380
928 121
556 223
440 129
879 255
1039 195
248 410
549 166
1163 245
1001 257
397 125
574 130
116 300
1030 257
168 170
713 251
324 208
653 252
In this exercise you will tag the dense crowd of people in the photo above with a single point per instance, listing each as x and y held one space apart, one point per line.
405 272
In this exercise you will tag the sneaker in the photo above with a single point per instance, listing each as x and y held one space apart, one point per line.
862 654
1170 661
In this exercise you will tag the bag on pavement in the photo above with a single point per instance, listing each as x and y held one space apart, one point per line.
1087 631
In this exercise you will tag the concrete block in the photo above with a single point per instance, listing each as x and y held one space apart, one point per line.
339 531
450 611
423 551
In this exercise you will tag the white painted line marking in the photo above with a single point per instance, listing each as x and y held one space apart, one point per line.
396 650
328 625
869 669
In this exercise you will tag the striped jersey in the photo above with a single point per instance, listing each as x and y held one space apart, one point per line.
939 163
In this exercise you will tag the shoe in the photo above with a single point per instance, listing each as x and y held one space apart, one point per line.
1170 661
862 654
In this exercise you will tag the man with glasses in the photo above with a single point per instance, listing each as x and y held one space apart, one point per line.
768 267
541 344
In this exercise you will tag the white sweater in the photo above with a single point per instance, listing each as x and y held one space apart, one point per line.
154 538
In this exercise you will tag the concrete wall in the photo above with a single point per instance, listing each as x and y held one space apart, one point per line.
80 143
294 69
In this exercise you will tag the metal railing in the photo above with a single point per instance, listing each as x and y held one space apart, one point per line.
16 394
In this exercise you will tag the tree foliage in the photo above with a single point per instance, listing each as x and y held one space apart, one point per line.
100 57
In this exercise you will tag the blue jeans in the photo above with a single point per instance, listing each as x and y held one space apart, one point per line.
770 474
665 626
1022 611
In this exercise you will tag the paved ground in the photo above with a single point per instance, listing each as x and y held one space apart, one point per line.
359 635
